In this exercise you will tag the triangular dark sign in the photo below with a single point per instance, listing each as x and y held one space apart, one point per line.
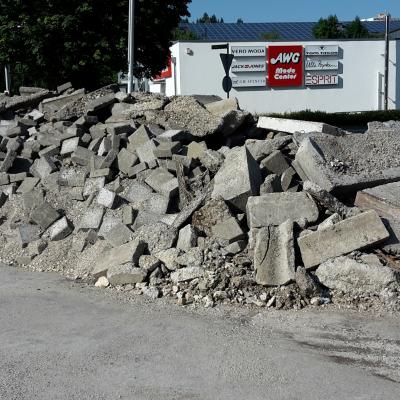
227 61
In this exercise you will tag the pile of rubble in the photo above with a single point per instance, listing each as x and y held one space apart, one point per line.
199 201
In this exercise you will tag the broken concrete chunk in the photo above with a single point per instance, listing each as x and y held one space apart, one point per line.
44 215
28 185
276 208
93 185
163 182
69 146
275 163
353 276
260 149
60 230
125 274
168 258
274 259
187 274
158 236
127 253
187 238
92 219
43 167
106 198
28 233
119 235
126 160
354 233
149 263
228 230
238 179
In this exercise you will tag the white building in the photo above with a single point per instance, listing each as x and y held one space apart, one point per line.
331 76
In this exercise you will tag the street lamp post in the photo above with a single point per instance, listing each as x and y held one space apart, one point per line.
131 44
387 49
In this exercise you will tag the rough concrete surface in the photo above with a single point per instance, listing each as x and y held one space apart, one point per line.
60 340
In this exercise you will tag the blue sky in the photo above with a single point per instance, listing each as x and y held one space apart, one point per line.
292 10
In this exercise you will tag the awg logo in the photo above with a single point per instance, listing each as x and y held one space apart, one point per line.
285 66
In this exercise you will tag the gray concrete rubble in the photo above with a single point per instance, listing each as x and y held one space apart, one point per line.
274 259
340 164
356 276
361 231
193 198
275 208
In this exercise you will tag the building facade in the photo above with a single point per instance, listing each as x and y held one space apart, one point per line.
284 76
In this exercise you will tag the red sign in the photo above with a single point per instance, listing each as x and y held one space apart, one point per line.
285 66
166 72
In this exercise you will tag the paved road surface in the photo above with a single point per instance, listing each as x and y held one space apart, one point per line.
60 340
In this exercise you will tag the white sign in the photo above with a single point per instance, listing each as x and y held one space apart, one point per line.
241 66
321 79
322 51
249 82
249 51
322 65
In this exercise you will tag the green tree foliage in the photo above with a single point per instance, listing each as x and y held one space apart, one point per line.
184 34
356 30
84 41
207 19
328 28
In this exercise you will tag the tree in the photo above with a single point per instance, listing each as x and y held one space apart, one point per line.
85 41
356 30
328 28
184 34
239 21
207 19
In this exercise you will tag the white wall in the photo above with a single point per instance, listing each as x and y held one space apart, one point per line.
359 89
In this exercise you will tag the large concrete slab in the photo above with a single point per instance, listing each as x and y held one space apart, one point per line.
341 164
274 259
354 233
276 208
238 179
292 126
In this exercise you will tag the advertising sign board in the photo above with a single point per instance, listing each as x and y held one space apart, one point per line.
329 50
249 51
321 80
250 66
322 65
285 66
166 72
239 81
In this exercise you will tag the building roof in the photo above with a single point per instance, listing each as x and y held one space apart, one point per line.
255 31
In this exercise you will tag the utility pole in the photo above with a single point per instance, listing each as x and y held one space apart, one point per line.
7 78
131 44
387 50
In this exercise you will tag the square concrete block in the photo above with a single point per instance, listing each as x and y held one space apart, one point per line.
228 230
44 215
92 219
106 198
163 182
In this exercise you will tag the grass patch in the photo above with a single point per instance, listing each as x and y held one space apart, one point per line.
340 119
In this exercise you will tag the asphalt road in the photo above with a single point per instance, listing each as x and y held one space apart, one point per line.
62 340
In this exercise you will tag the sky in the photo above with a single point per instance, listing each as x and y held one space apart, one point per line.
292 10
